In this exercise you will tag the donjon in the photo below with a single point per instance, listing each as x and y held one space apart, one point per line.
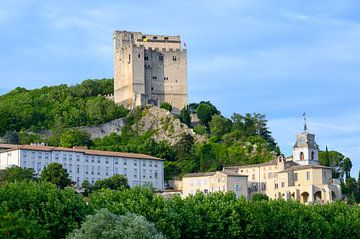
149 69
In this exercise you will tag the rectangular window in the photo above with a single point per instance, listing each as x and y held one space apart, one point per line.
283 184
296 176
77 169
125 161
156 175
276 185
146 57
129 58
307 175
135 173
161 57
135 162
144 173
174 58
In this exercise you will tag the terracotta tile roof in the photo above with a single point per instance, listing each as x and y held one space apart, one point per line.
269 163
192 175
304 167
8 146
85 151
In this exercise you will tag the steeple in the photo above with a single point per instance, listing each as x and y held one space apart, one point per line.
305 150
305 125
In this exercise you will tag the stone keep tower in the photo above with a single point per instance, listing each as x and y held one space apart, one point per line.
149 69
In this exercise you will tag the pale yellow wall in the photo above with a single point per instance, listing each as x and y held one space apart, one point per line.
219 182
287 187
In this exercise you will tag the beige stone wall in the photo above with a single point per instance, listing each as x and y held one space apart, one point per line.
155 70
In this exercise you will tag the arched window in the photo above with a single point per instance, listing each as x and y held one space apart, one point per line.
312 155
302 156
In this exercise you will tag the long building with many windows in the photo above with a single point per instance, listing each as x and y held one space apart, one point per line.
84 164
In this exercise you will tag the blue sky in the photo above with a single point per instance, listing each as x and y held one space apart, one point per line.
279 58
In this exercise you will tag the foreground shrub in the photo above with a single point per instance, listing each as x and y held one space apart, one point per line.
39 210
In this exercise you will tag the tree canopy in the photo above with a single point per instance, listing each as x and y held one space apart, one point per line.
15 173
107 225
54 173
58 106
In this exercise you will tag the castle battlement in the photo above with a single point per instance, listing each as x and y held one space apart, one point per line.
151 66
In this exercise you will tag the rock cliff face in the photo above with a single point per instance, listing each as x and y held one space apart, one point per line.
105 129
164 125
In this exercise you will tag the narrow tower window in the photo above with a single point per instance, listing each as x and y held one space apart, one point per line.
312 155
301 156
174 58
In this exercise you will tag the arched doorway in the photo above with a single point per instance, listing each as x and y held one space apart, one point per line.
333 196
317 196
302 157
304 197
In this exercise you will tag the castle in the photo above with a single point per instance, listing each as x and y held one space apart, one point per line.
149 69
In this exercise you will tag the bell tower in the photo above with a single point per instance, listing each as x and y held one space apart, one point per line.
305 150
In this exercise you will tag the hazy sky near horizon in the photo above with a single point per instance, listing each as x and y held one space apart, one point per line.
280 58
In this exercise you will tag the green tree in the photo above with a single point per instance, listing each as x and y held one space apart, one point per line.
106 225
28 138
166 106
74 137
205 110
347 165
39 210
54 173
116 182
219 125
185 116
201 129
334 160
260 197
16 173
11 137
86 185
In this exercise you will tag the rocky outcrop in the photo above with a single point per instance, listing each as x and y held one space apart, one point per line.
164 125
105 129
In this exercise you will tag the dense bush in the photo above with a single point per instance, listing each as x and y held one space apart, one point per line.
39 210
223 216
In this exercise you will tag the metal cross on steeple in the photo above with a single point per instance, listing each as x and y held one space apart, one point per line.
305 125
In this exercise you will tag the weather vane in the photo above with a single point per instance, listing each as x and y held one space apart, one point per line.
305 125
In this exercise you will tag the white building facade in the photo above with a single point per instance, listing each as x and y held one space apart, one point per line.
83 164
